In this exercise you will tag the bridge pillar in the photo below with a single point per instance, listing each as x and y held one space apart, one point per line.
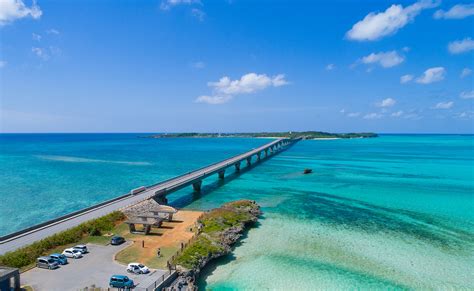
249 161
258 156
197 186
161 199
237 167
266 153
221 174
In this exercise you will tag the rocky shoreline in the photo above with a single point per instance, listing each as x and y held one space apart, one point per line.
220 229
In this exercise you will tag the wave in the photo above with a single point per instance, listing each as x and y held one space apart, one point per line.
86 160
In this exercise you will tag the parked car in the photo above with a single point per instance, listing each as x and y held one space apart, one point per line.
72 253
117 240
120 281
82 248
59 258
46 262
137 268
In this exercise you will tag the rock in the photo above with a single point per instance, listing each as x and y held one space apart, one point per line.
307 171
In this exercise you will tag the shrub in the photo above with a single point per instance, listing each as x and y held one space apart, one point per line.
27 255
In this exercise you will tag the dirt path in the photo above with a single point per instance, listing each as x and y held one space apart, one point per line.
168 238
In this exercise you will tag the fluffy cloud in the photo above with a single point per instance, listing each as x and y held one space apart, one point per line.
444 105
40 53
330 67
198 13
353 114
52 31
11 10
377 25
167 4
213 99
225 89
406 78
467 94
461 46
389 102
384 59
397 114
456 12
36 37
373 116
2 64
432 75
198 65
465 72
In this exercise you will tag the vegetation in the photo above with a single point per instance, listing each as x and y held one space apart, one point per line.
27 255
216 226
289 134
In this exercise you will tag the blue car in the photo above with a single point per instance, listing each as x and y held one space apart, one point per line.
121 282
59 258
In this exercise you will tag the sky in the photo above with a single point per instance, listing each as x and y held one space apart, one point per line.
236 66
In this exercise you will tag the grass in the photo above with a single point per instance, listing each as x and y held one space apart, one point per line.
133 253
25 257
214 224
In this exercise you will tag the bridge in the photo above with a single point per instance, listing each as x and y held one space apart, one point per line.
159 191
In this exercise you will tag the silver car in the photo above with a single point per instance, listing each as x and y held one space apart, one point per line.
47 263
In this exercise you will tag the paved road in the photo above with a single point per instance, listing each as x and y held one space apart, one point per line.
168 186
96 267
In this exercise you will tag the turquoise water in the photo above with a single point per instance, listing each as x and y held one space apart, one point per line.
395 212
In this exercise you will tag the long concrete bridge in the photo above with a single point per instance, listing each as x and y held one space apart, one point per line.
160 190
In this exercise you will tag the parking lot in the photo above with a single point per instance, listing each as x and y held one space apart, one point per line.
94 268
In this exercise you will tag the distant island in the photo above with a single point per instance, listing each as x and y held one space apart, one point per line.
288 134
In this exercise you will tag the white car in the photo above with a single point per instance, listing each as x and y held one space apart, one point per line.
72 253
137 268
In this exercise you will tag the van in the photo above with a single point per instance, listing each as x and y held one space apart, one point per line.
120 281
47 263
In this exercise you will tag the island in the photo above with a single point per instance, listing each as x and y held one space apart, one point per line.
285 134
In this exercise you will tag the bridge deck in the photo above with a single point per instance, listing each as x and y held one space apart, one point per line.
43 230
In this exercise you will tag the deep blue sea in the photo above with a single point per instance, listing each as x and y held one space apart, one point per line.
394 212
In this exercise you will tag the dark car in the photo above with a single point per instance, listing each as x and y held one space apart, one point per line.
121 282
117 240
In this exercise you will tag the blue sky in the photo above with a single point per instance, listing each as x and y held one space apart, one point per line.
237 65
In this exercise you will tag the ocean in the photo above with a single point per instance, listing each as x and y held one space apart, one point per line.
393 212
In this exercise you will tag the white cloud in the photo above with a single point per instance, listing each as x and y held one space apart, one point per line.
52 31
389 102
465 72
353 114
40 52
406 78
199 65
456 12
466 115
213 99
225 88
342 111
377 25
461 46
467 94
198 13
444 105
330 67
397 114
432 75
167 4
373 116
36 37
11 10
2 64
384 59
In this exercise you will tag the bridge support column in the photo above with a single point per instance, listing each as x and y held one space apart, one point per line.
237 167
197 186
266 153
249 161
258 156
221 174
161 199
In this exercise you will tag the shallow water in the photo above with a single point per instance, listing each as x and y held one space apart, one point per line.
394 212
